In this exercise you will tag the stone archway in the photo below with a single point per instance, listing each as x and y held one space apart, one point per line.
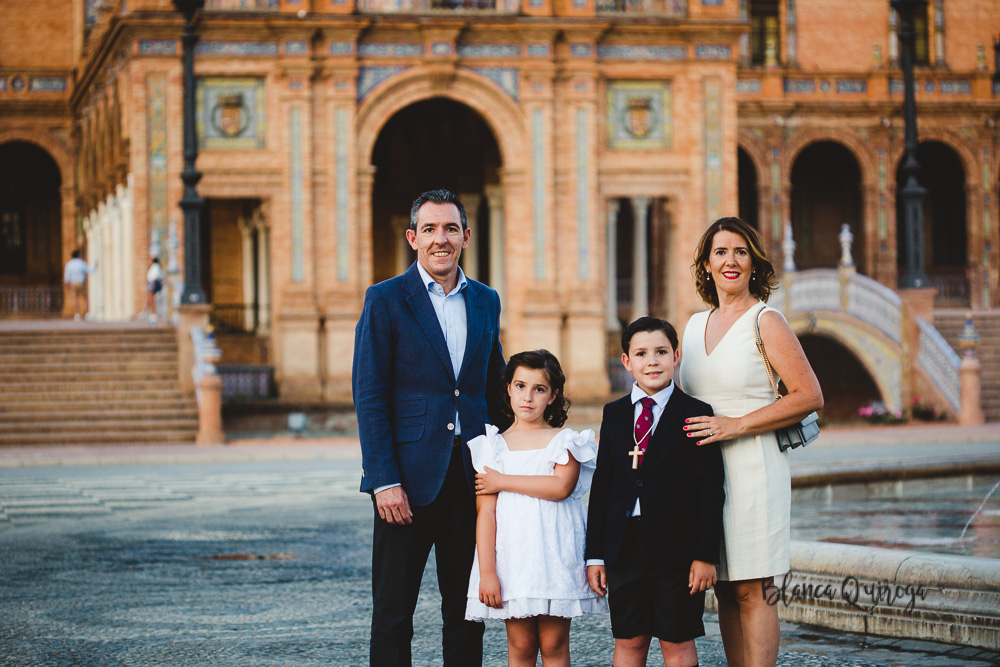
826 193
434 143
846 383
748 187
31 239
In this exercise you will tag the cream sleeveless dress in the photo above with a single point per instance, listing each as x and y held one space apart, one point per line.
756 515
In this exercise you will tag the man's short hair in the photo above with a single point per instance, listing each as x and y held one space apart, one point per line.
76 254
649 324
437 197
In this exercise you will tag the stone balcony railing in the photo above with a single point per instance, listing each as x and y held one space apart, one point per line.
419 6
660 8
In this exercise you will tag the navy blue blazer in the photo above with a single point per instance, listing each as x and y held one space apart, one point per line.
405 389
679 487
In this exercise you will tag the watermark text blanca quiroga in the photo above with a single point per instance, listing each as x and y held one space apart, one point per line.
864 596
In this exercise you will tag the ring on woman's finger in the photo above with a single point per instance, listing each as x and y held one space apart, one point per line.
710 433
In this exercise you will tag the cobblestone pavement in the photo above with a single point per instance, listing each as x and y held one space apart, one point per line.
255 563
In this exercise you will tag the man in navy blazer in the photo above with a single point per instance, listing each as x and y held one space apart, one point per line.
427 356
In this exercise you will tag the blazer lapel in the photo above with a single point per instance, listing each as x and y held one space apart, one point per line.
420 303
664 438
475 316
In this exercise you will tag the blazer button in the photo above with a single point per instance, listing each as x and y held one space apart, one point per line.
457 392
451 427
638 482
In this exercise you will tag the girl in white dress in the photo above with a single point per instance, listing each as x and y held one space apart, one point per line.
530 534
723 367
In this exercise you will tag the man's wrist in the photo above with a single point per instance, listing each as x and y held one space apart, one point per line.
595 561
387 486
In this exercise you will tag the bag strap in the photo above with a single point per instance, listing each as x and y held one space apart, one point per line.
763 354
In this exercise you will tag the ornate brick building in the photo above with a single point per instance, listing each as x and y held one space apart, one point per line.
591 141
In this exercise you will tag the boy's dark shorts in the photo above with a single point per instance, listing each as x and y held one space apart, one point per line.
648 598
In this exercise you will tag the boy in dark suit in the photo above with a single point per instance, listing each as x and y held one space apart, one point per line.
655 518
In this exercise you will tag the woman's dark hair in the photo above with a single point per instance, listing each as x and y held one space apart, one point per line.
762 278
539 360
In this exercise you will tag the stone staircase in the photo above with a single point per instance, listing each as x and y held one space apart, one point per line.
90 385
950 323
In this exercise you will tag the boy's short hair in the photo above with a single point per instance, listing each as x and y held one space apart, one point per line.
648 324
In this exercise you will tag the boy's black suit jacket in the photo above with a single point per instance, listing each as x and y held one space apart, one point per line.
679 487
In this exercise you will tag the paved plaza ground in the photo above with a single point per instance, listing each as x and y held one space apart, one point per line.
259 554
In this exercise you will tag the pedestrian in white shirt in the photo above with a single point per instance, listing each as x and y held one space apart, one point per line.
75 277
154 285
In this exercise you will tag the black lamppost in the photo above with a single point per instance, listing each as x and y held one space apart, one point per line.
912 194
190 202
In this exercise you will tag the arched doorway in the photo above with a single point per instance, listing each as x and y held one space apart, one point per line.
846 385
434 143
30 230
945 232
749 204
826 193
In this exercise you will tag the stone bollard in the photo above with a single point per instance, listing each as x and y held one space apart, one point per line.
210 411
971 409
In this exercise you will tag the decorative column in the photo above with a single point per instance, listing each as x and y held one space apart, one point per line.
893 37
494 199
107 263
745 55
640 257
247 261
263 278
611 267
971 408
125 194
470 256
791 37
939 60
403 259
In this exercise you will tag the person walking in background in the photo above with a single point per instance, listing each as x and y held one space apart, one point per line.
154 285
723 367
427 358
75 278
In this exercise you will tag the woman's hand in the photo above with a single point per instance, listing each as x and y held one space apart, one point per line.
489 482
489 590
713 429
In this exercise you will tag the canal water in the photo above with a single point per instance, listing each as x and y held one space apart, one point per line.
951 515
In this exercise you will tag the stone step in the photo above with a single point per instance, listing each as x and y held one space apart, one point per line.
46 370
120 436
105 425
24 381
167 404
15 418
97 354
86 391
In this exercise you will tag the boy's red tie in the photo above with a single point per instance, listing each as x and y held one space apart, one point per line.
644 424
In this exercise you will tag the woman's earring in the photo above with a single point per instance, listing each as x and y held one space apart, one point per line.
709 278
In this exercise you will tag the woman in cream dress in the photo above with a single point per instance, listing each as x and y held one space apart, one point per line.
722 366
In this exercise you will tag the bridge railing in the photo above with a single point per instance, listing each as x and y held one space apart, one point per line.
940 362
837 291
872 303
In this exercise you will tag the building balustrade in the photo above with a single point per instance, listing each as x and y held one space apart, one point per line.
952 290
18 300
247 381
409 6
674 8
241 5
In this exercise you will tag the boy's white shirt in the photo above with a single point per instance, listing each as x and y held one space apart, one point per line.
660 400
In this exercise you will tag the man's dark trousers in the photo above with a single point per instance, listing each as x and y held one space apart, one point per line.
398 558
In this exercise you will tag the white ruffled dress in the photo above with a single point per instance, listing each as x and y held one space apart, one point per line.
540 543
